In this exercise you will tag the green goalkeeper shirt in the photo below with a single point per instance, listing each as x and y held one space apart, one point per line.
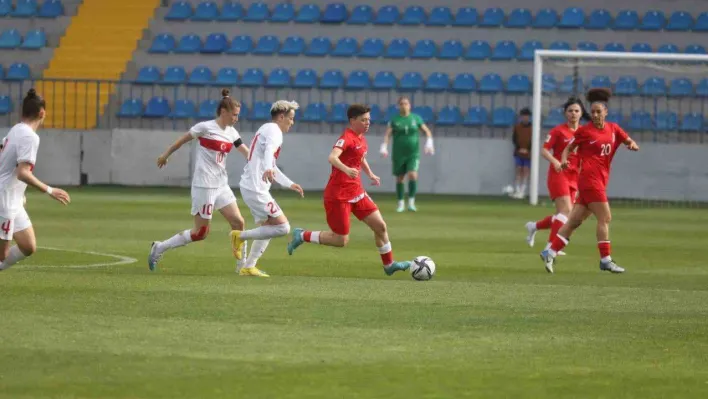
406 135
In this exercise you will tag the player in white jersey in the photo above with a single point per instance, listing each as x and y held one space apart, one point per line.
18 155
210 185
258 175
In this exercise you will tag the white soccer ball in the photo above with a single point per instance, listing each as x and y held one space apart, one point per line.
423 268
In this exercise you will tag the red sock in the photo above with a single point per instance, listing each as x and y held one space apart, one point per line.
558 243
311 236
545 223
307 236
386 254
605 249
555 227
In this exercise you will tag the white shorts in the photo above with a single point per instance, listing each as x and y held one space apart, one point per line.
8 227
262 205
205 201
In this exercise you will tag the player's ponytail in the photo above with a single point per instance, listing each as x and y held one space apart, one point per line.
227 103
599 95
32 105
584 115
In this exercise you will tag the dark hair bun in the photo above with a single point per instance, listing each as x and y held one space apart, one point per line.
32 93
599 94
225 92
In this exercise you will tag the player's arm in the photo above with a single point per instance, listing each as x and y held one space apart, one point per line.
384 146
375 180
284 181
184 139
566 152
337 163
268 161
242 148
550 142
626 140
25 175
428 148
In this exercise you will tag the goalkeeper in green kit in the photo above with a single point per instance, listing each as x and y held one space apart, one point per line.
405 129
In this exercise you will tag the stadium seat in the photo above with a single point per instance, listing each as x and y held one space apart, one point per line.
626 20
293 45
548 83
361 15
376 115
505 50
424 49
519 18
546 18
384 80
283 12
200 75
345 47
319 47
305 78
641 48
683 21
244 111
518 84
681 87
189 44
599 19
398 48
614 47
207 109
439 16
10 39
451 50
437 82
267 45
5 7
476 116
690 49
253 77
51 9
666 121
425 112
601 81
34 40
554 118
411 81
391 112
231 12
257 12
131 108
332 79
491 83
572 18
413 15
492 18
615 116
503 117
464 83
174 75
157 107
559 45
702 88
449 115
227 76
700 26
358 80
163 43
588 46
241 44
528 49
205 11
387 15
339 113
148 75
568 82
25 8
640 120
654 86
478 50
261 111
215 43
18 71
5 105
372 48
334 13
183 109
315 112
692 122
626 86
308 14
278 77
466 16
179 11
668 48
653 20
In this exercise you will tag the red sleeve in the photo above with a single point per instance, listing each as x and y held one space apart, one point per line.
551 139
622 136
342 143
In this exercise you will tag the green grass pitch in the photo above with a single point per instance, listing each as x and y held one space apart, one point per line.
330 324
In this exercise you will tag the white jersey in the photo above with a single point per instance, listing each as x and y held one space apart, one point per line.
215 144
20 145
265 149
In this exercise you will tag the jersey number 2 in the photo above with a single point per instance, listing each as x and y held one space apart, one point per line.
605 149
272 208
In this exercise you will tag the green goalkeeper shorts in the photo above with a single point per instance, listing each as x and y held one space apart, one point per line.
402 166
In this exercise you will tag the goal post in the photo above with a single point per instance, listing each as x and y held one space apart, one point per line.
583 65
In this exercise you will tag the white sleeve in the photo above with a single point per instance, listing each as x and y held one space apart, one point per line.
272 143
281 179
27 150
198 130
236 134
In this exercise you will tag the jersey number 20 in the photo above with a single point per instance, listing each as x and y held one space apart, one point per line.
605 149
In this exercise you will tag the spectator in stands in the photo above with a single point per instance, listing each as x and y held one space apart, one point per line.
522 152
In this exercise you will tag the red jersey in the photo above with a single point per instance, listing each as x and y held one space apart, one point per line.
596 148
558 138
341 187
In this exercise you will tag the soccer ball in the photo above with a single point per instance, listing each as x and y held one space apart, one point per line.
423 268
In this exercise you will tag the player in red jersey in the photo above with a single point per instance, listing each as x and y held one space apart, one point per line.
596 145
345 194
562 183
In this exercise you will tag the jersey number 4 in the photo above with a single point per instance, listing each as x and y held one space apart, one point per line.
605 149
6 227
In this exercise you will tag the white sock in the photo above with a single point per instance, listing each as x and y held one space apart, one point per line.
266 232
314 237
606 259
522 188
177 240
258 247
13 257
244 256
411 201
401 203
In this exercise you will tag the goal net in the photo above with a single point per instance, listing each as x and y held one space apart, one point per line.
661 100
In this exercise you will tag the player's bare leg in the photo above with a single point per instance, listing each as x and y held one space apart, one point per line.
400 193
576 218
26 245
377 224
199 232
233 216
602 213
412 190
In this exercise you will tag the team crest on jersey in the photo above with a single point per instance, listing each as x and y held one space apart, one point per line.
340 143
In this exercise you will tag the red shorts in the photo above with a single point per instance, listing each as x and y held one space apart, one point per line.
338 213
590 195
562 185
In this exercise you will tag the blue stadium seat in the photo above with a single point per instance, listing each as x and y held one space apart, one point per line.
51 9
361 15
308 14
319 47
243 113
424 49
413 15
376 115
642 48
179 11
476 116
206 11
278 77
588 46
614 47
491 83
339 113
683 21
372 48
549 83
504 50
681 87
478 50
257 12
131 108
200 75
163 43
391 112
334 13
437 82
503 117
34 40
189 44
519 18
253 77
215 43
640 120
601 81
411 81
626 86
345 47
332 79
666 121
358 80
700 26
398 48
231 12
559 45
10 39
283 12
702 88
449 115
464 83
425 112
183 109
518 84
5 7
25 8
492 17
267 45
654 86
261 111
615 116
653 20
528 49
305 78
690 49
465 16
174 75
5 105
599 19
451 50
293 45
546 18
568 82
157 107
227 76
315 112
18 71
692 123
572 18
384 80
207 109
241 44
626 20
387 15
148 75
668 48
554 118
439 16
